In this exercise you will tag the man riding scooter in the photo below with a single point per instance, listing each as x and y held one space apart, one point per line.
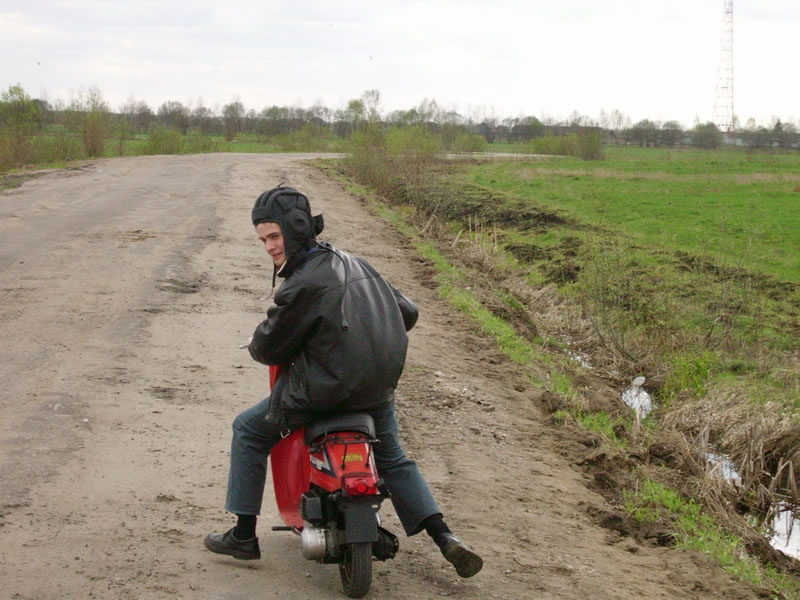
340 329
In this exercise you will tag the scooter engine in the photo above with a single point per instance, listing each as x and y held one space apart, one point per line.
314 542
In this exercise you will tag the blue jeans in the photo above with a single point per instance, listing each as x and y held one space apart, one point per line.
254 437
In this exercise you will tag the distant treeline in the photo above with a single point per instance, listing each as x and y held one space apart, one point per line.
34 130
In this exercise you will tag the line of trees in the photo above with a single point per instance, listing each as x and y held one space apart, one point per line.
36 130
707 135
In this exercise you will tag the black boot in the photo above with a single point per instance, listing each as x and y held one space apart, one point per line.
226 543
466 562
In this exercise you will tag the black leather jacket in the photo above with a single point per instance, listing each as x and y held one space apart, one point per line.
340 330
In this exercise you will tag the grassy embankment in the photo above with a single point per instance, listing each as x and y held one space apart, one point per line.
679 265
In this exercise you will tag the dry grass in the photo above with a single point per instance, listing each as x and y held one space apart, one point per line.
762 440
528 174
767 178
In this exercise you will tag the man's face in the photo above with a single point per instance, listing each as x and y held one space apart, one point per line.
272 237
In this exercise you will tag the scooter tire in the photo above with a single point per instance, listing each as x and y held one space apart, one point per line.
356 569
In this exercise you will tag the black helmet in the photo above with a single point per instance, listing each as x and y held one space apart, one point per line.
291 211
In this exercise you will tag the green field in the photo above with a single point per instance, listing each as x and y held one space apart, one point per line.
741 209
683 264
678 265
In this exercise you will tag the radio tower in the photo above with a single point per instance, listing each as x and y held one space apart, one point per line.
723 103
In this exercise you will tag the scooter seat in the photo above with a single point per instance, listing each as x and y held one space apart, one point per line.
360 422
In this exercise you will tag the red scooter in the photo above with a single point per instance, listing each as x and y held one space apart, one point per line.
328 491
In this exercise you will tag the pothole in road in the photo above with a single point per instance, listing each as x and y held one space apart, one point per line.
164 393
178 287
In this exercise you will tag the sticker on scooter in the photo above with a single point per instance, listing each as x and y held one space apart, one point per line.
322 465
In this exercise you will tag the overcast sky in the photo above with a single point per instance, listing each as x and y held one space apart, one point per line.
655 59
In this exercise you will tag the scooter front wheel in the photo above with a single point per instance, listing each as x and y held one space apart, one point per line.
356 569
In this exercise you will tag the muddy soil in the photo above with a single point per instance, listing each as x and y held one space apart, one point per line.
127 287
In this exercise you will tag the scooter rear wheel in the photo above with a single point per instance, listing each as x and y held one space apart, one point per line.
356 569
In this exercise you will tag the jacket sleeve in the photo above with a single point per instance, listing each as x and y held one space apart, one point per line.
278 338
407 308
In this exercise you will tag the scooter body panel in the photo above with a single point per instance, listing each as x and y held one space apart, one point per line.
291 475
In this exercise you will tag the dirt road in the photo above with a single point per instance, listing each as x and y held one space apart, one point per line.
127 286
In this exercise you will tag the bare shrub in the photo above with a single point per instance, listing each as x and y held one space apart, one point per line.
627 320
93 113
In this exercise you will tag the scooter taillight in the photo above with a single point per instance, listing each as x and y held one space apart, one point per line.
359 485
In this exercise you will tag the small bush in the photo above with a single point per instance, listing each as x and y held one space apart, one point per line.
310 138
199 144
563 145
19 118
161 140
469 142
95 120
409 154
15 149
58 146
707 136
590 144
412 142
626 316
95 125
367 161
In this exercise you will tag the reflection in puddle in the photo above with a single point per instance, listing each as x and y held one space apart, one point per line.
787 532
785 525
637 398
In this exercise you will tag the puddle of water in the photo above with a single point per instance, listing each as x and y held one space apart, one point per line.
787 532
785 525
580 358
725 466
637 398
576 355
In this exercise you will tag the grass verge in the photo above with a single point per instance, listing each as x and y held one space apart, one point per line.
691 527
627 304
